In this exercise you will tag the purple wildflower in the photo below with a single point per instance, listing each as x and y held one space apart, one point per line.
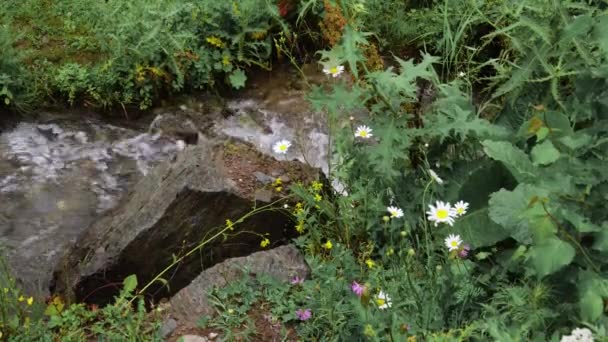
303 315
464 252
296 280
357 288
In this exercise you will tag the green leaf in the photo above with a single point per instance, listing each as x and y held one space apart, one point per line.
550 256
544 154
601 33
352 41
130 283
513 158
512 210
592 288
600 241
237 78
477 229
591 306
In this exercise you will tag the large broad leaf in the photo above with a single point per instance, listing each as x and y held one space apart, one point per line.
550 256
600 241
513 158
544 153
592 289
514 212
477 229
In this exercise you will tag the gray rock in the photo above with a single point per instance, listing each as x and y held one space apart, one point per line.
168 327
168 213
191 303
263 178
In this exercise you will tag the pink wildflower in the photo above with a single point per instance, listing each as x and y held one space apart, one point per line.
296 280
357 288
303 315
464 252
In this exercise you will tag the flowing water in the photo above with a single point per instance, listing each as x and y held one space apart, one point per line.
62 172
57 177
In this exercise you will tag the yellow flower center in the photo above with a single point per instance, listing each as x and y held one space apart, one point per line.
454 243
363 134
442 214
283 148
333 70
380 301
460 210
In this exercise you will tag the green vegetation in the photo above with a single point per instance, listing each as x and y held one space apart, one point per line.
121 53
503 115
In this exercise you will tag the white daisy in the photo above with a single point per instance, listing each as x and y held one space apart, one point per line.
335 71
441 213
395 212
383 300
363 132
281 147
452 242
461 208
435 177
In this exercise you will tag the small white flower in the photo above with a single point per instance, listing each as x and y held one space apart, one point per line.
281 147
383 301
441 213
363 132
461 208
461 74
335 71
285 205
452 242
395 212
435 177
578 334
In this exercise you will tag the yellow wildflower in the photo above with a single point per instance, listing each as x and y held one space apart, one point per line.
318 198
277 182
300 227
30 301
226 60
229 224
299 205
328 245
317 186
21 298
370 263
265 243
258 35
215 41
279 188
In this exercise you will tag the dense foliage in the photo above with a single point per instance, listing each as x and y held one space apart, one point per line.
120 53
472 183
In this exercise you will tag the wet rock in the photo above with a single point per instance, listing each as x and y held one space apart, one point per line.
168 213
191 303
168 327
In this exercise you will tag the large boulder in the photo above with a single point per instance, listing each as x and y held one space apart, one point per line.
192 302
169 212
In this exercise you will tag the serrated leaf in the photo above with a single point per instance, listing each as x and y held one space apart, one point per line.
601 33
544 153
130 283
237 79
513 158
550 256
352 41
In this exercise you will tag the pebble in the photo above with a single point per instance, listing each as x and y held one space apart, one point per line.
168 328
